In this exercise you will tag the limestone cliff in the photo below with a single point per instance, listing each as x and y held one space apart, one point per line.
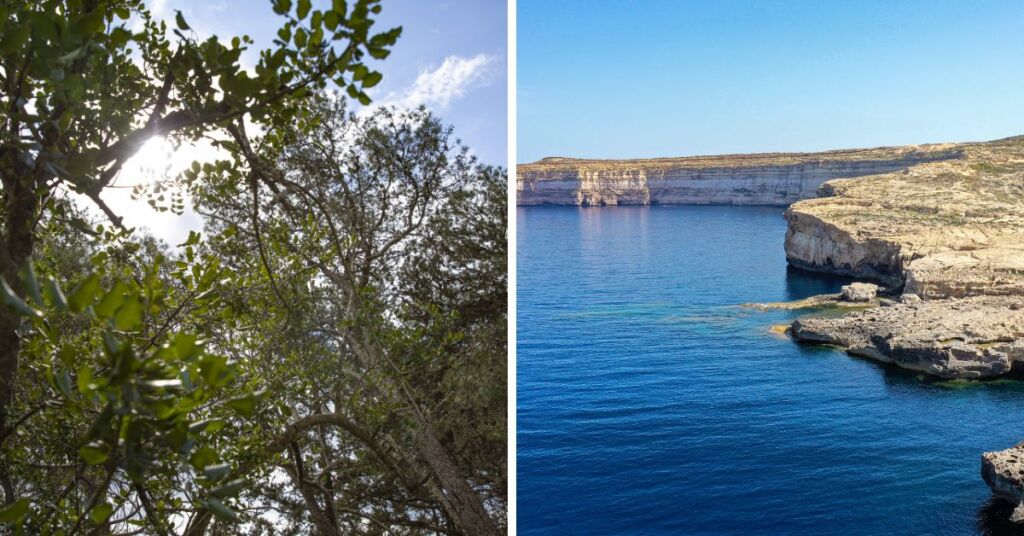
760 179
950 233
945 229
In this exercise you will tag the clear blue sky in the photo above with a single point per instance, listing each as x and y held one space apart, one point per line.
469 92
666 78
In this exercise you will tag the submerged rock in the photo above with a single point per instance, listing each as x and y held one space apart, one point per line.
859 292
967 338
821 301
1003 471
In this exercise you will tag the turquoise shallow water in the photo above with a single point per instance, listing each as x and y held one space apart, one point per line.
649 403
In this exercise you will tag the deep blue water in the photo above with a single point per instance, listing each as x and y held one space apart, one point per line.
649 403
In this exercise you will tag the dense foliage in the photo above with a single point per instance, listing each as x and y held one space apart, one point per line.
327 357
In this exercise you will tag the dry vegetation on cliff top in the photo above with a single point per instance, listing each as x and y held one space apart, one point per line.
561 164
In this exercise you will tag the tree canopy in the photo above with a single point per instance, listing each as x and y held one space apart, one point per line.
327 357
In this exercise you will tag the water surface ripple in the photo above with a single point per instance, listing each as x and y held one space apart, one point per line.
649 403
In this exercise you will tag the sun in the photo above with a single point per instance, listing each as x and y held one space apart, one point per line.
157 160
153 162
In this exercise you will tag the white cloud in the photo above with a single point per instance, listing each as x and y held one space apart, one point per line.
159 8
452 79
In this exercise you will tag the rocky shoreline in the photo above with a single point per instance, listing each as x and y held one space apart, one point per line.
947 236
947 239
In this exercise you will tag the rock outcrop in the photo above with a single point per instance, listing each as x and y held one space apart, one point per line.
859 292
945 229
778 179
968 338
1003 471
944 234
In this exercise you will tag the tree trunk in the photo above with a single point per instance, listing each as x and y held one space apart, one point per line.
461 502
21 205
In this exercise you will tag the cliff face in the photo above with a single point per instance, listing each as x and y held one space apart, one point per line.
763 179
946 229
949 237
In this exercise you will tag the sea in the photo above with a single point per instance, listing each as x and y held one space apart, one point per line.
651 401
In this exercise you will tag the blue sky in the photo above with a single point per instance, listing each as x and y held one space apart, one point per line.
666 78
469 91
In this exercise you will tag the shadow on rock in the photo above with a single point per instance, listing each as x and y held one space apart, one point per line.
993 519
802 283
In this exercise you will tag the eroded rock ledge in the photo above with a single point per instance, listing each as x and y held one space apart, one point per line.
1003 471
969 338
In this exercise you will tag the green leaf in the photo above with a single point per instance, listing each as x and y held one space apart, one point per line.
245 405
216 472
372 79
202 457
111 301
359 72
55 294
300 38
14 512
14 302
378 53
63 381
193 237
93 453
89 24
83 379
230 489
101 512
31 283
317 37
101 426
220 510
331 20
211 425
179 19
119 37
282 7
129 316
303 9
185 345
84 294
14 39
